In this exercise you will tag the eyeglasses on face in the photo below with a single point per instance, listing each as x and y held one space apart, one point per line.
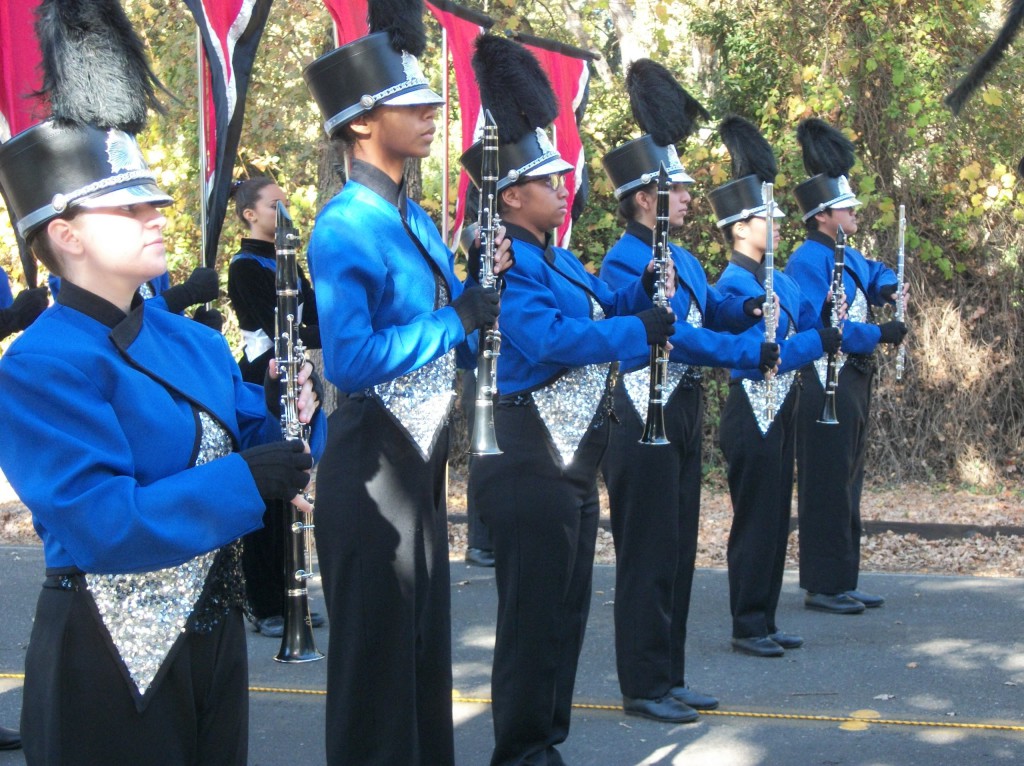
554 181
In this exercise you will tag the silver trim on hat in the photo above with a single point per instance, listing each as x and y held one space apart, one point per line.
845 194
62 201
415 80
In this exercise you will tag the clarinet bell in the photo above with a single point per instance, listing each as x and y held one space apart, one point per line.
828 411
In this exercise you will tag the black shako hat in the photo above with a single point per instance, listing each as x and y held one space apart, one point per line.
753 165
380 68
99 86
515 89
667 114
828 156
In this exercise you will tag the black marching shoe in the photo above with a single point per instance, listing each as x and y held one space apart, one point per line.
867 599
837 603
479 557
787 640
693 699
757 646
9 739
666 709
271 627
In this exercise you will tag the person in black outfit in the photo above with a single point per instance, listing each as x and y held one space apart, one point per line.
253 294
18 313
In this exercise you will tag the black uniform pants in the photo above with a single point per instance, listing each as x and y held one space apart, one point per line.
263 564
654 498
761 488
79 710
382 540
543 518
830 478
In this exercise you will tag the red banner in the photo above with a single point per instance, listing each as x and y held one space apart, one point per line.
568 70
231 31
19 68
462 26
349 19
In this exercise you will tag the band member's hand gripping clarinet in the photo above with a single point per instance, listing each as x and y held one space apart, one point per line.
297 643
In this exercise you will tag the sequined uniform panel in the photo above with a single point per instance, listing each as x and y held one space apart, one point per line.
856 312
638 382
757 393
146 613
568 406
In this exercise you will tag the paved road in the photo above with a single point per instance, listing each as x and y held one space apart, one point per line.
936 677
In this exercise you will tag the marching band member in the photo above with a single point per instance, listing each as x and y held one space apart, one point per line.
830 458
392 313
562 330
758 439
18 313
655 521
130 437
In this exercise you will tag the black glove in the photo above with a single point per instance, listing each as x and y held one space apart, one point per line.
893 332
477 307
888 292
750 305
23 311
659 324
201 286
209 317
769 357
831 337
279 469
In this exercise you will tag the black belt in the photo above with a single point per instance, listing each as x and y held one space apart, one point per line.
516 400
65 581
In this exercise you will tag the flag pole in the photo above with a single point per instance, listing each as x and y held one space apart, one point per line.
201 135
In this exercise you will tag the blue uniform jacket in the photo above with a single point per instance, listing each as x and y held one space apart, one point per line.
699 346
99 436
745 277
375 290
546 323
6 297
811 265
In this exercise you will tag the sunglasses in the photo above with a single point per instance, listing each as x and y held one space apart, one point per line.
554 181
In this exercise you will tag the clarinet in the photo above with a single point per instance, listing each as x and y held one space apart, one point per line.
771 321
297 642
901 302
483 440
828 411
654 426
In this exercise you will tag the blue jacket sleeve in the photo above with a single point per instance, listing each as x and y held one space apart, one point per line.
81 485
367 339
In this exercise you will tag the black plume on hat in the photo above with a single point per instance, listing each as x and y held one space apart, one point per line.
1020 168
750 151
513 86
661 106
95 69
825 148
988 59
403 22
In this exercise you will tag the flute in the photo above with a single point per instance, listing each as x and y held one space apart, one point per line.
901 301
